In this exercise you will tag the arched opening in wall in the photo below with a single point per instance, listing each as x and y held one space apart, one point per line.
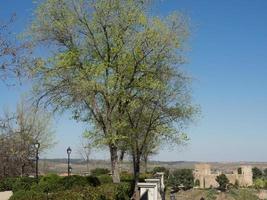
239 170
197 183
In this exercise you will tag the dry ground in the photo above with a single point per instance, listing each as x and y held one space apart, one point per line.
197 194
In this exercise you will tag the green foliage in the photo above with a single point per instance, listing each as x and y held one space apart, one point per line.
257 173
161 169
126 177
70 195
144 176
23 183
211 194
112 69
223 182
265 173
69 182
7 184
259 183
124 191
181 177
28 195
103 192
99 171
49 183
104 179
93 181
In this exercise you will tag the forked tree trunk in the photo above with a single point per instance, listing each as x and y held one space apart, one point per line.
114 163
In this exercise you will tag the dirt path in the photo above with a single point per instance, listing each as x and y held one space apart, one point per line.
5 195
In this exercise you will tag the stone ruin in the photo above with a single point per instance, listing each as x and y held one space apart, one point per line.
207 179
152 189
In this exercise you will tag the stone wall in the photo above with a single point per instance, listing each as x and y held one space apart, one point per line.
207 179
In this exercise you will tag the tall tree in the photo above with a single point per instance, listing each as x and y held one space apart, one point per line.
84 150
12 53
158 116
104 56
18 133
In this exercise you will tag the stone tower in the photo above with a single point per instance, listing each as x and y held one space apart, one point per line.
246 176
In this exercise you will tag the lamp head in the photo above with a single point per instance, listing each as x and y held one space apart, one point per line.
68 150
37 145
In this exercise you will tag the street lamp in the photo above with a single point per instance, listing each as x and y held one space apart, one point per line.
37 146
69 167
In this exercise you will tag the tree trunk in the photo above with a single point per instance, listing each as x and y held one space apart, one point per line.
114 163
145 162
122 153
136 167
87 164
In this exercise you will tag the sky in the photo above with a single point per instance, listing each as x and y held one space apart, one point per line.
226 56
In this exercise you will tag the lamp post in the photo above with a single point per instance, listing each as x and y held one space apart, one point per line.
37 146
69 167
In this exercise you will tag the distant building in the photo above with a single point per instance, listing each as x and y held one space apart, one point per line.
207 179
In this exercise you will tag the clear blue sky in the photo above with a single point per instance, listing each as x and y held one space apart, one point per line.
227 58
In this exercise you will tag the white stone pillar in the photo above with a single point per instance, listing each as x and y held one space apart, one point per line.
150 188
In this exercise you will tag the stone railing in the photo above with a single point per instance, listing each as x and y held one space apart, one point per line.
153 188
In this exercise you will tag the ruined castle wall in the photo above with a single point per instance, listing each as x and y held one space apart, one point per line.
207 179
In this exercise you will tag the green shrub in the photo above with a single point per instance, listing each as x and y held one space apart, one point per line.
126 177
68 195
7 184
182 177
259 183
144 176
104 179
69 182
257 173
99 171
23 183
92 181
161 169
109 191
28 195
124 191
223 182
49 183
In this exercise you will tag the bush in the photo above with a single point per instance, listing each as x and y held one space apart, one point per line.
28 195
223 182
181 177
92 181
23 183
257 173
105 179
126 177
124 191
99 171
7 184
68 195
68 182
259 183
161 169
49 183
144 176
109 191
